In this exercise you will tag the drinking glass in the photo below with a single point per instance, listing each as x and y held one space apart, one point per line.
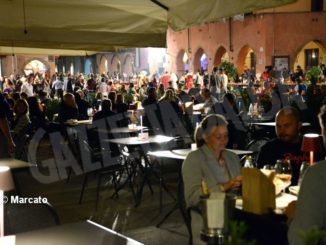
283 170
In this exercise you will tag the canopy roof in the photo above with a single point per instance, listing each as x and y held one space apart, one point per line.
104 25
65 52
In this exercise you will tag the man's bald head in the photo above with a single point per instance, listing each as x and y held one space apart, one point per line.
288 124
289 111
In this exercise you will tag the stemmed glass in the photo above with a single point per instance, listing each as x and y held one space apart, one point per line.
283 170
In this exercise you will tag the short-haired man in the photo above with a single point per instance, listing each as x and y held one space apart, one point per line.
287 145
68 108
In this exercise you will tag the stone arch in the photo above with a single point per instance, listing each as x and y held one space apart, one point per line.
220 55
35 70
182 62
103 68
246 59
299 58
198 62
115 64
128 65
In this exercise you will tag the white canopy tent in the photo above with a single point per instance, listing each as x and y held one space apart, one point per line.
104 25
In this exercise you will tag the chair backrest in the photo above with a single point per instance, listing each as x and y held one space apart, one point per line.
27 217
256 144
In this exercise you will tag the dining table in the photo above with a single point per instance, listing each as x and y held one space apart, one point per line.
80 233
123 130
140 164
181 154
273 124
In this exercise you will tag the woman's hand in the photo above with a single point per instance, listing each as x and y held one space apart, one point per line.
235 182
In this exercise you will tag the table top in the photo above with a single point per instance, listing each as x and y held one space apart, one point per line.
273 124
121 130
181 154
281 201
79 122
157 139
15 163
82 233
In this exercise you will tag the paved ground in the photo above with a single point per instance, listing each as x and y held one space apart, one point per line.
117 214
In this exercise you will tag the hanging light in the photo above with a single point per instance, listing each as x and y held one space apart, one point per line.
313 55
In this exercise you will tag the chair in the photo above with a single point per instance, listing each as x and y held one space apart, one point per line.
255 146
185 212
115 170
27 217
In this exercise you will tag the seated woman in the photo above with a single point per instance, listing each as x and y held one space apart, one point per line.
22 121
211 162
21 126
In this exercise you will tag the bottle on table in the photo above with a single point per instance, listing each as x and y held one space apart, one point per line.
249 163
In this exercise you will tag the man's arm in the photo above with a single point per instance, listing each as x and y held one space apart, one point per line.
310 208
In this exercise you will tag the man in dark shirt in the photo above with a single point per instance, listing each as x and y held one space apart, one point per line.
106 110
68 108
287 145
91 83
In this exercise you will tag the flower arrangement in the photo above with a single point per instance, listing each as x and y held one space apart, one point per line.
265 99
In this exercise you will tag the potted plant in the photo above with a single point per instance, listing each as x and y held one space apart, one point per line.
313 75
52 108
230 70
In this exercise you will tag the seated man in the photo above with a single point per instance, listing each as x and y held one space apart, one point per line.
287 145
106 110
310 210
68 108
209 100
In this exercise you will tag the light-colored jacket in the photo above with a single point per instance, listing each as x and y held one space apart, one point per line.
311 207
201 164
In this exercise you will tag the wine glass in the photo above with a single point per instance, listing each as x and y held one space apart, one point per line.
283 171
260 111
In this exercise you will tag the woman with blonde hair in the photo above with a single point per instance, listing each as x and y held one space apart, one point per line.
169 96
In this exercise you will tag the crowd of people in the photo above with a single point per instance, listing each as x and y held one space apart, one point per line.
24 103
28 97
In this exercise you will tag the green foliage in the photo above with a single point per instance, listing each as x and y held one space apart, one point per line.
245 97
230 70
313 74
52 108
237 234
312 236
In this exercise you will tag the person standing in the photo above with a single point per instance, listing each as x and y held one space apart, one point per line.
214 83
58 86
224 81
27 86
